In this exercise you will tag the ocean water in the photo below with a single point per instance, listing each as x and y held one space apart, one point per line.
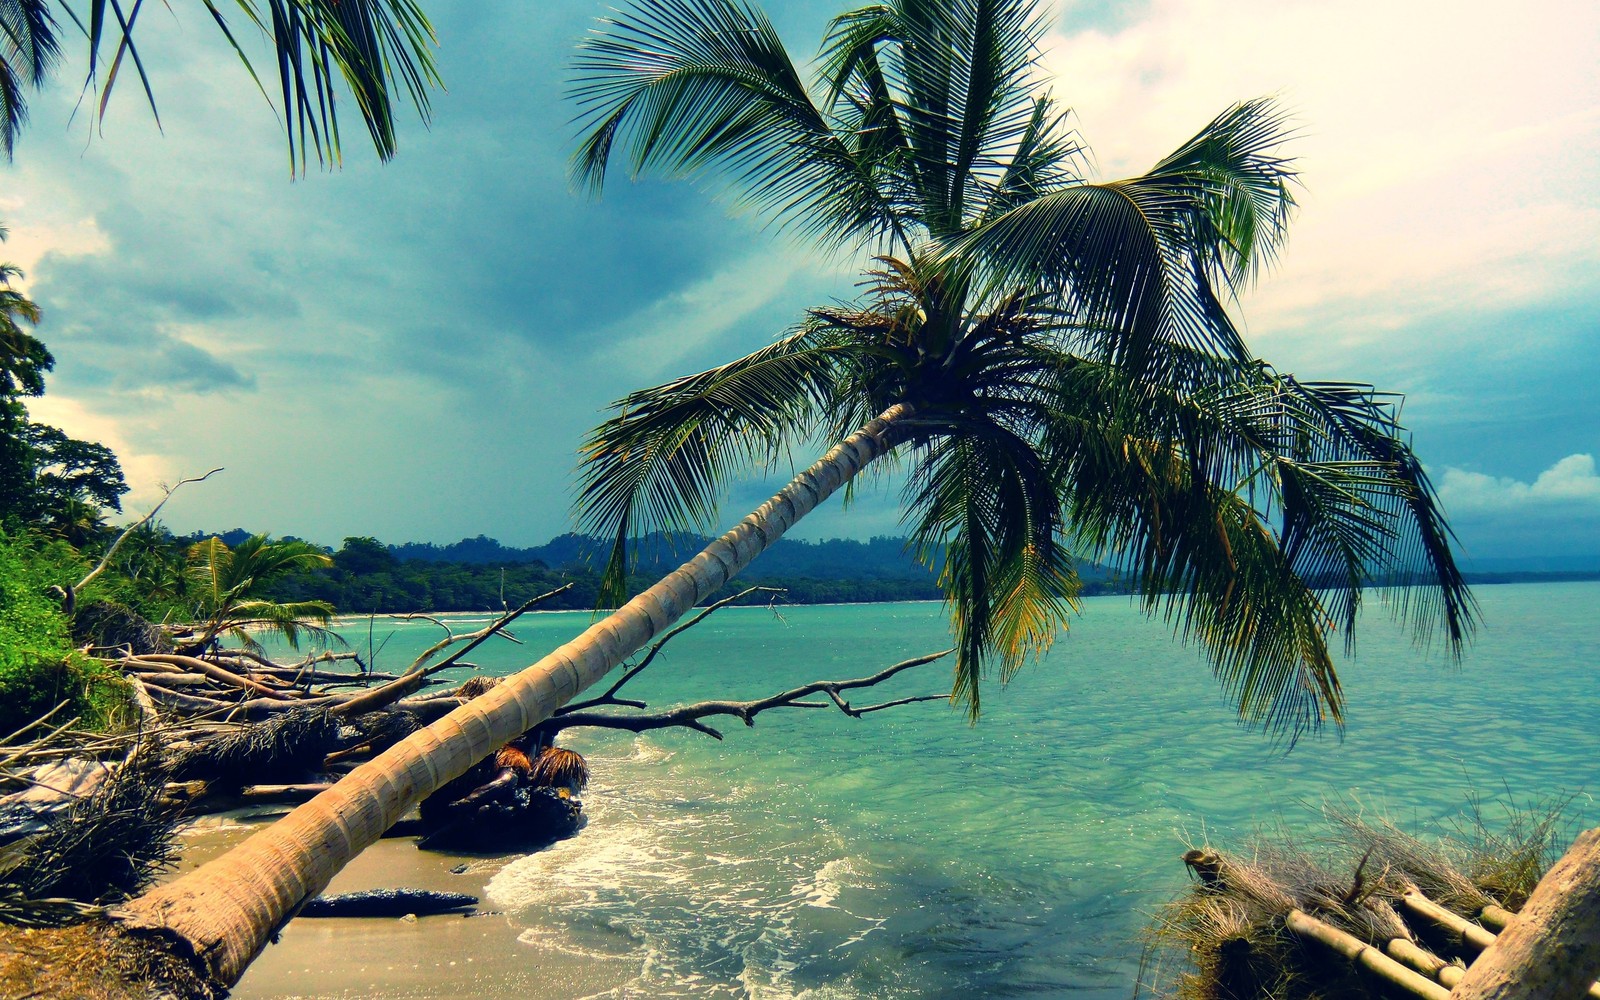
910 854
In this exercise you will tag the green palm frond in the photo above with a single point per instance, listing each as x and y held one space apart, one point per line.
29 50
376 48
1255 513
289 620
951 81
986 506
1139 261
689 84
662 462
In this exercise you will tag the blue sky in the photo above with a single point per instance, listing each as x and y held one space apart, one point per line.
415 350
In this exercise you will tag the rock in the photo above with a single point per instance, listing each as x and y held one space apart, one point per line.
403 903
525 819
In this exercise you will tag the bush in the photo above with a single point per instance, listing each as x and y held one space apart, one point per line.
38 668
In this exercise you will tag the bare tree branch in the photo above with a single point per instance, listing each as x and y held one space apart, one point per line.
69 599
412 679
609 697
690 716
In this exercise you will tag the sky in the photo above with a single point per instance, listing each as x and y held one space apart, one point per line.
414 350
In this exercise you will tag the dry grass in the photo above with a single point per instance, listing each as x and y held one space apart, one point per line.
93 961
1225 938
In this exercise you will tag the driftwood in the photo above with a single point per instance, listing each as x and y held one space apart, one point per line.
1364 955
1237 909
420 669
388 903
690 716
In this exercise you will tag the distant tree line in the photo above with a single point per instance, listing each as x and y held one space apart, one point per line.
481 573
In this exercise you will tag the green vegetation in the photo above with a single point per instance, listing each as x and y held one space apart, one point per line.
230 588
38 667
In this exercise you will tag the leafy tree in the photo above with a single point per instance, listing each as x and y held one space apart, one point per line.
375 48
46 477
23 362
68 469
364 555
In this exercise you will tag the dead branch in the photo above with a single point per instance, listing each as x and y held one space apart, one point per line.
212 670
609 696
69 595
412 679
690 716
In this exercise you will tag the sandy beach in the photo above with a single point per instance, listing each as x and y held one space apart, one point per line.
484 955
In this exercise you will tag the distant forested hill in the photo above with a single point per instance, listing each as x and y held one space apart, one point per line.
842 558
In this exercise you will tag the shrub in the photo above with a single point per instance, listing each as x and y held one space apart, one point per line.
38 668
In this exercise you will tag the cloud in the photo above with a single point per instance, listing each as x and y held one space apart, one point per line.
1573 481
1449 151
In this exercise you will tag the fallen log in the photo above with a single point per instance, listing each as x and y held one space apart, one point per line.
194 663
388 903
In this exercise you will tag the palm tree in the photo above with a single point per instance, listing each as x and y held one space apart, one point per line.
377 48
1048 359
229 583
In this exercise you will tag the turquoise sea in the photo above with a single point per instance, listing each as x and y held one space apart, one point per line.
912 854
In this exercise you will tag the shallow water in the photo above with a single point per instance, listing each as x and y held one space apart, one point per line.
910 854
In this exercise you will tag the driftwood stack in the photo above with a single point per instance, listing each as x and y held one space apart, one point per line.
1408 919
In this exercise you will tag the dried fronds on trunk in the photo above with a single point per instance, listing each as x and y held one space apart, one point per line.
556 767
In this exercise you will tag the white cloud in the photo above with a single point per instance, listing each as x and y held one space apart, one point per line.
145 471
1571 481
1451 152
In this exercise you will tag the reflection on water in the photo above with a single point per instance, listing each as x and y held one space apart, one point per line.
910 854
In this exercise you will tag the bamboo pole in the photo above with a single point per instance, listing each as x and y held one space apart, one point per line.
1430 964
1424 961
1496 917
1365 955
1468 933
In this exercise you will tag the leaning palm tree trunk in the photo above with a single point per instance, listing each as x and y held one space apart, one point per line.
226 910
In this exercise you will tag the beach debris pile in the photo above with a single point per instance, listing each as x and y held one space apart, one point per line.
1371 911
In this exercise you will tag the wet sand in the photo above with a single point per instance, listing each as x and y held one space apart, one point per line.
427 958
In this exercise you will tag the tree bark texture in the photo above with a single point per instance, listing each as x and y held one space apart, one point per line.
226 910
1551 951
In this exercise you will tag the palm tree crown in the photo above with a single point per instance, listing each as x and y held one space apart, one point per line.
1071 382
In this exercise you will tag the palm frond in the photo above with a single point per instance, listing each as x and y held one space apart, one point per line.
986 506
662 461
1140 261
1184 489
378 48
686 85
949 82
29 50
